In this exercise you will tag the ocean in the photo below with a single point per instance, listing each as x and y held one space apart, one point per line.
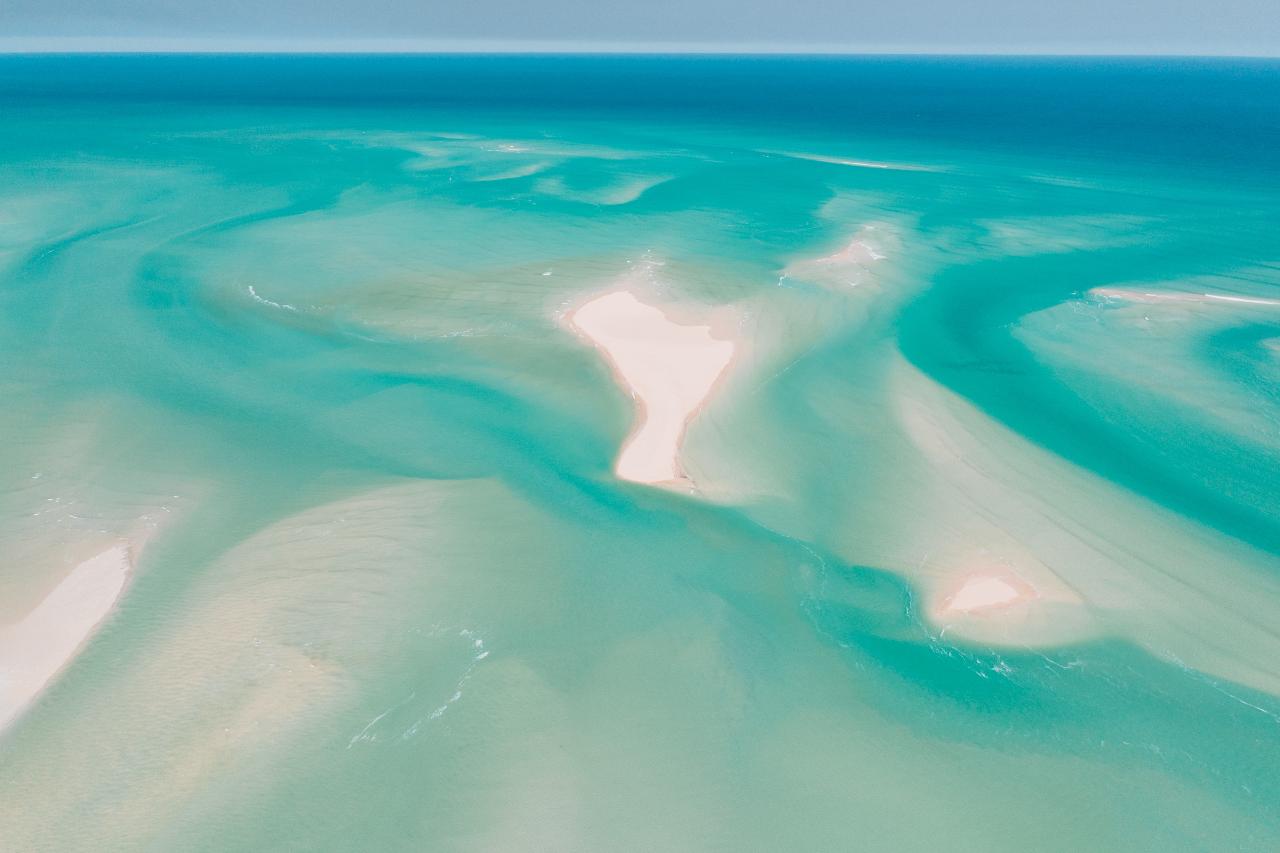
952 393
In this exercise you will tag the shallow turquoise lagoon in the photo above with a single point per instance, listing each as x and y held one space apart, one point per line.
979 543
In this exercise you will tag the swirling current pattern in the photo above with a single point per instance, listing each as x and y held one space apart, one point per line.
316 540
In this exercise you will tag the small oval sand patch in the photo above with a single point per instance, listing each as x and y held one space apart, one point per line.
984 592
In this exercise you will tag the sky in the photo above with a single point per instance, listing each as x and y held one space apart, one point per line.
1198 27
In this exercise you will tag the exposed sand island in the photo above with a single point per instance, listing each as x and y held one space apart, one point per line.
669 368
983 592
34 649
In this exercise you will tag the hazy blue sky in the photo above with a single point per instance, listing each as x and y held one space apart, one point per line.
1038 26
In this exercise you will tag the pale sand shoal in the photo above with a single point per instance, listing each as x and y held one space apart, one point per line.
669 368
34 649
1176 297
983 592
851 265
860 164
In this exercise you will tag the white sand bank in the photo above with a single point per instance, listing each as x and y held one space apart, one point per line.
1176 297
983 592
669 368
34 649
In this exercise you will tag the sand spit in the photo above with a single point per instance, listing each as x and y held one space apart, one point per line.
36 648
669 368
1175 297
860 164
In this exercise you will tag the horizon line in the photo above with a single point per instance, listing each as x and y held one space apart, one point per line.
144 45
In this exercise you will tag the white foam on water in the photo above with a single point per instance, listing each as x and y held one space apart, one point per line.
262 299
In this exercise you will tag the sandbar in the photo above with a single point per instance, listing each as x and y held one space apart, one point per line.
668 367
860 164
34 649
1148 297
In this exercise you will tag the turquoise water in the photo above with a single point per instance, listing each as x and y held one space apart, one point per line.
293 329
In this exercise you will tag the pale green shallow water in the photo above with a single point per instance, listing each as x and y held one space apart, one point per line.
392 596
